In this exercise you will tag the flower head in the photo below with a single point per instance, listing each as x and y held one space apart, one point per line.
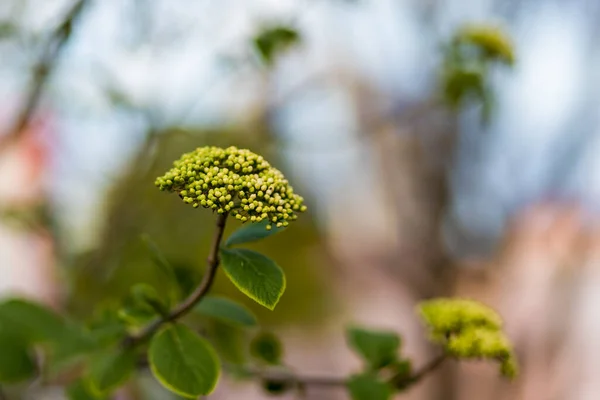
234 181
468 329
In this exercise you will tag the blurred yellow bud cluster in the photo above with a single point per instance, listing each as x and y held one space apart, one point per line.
469 330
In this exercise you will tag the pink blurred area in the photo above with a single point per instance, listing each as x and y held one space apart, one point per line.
27 263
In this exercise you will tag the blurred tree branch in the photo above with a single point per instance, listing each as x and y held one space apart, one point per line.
41 72
301 381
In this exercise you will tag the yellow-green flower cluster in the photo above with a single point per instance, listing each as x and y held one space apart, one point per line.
468 329
234 181
492 40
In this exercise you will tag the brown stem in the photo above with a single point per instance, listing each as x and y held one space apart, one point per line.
297 380
323 381
184 307
420 373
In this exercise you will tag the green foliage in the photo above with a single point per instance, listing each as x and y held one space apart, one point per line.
276 388
251 233
256 275
469 57
234 181
145 295
230 342
401 371
106 327
274 40
142 305
16 361
378 349
266 347
183 235
492 41
80 390
159 259
368 387
468 329
227 311
184 362
34 324
110 369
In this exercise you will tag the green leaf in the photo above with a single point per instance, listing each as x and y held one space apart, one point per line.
229 341
251 233
276 388
256 275
184 362
271 41
368 387
401 371
144 294
107 328
16 360
80 390
377 348
267 347
159 258
227 311
111 369
187 279
141 305
35 324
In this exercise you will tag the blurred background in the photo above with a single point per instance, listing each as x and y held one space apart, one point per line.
414 188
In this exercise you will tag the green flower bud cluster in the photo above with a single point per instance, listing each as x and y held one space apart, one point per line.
469 330
234 181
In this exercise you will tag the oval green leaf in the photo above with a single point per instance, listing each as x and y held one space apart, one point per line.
159 258
34 323
368 387
16 361
183 362
377 348
80 390
251 233
256 275
31 321
267 347
226 310
111 369
229 341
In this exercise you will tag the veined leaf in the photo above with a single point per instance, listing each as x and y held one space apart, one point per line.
256 275
251 232
226 310
184 362
368 387
377 348
111 369
267 347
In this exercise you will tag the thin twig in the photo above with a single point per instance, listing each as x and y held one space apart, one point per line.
324 381
297 380
418 375
193 299
41 73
